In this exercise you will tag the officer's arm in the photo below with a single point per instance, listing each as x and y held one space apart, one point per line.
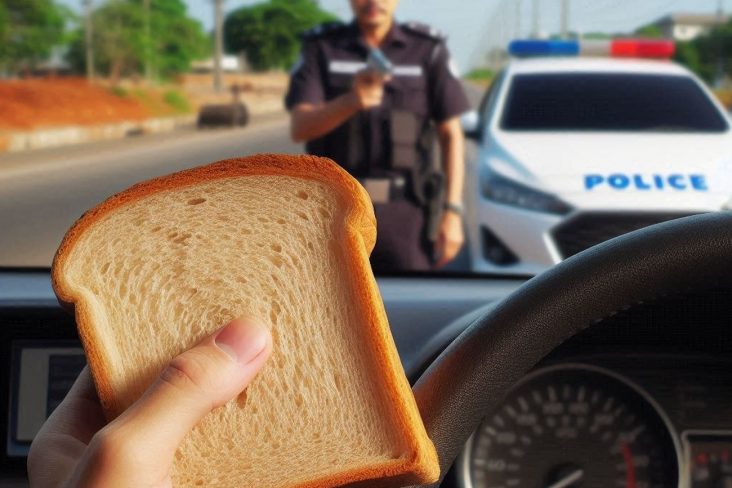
452 144
312 120
309 121
311 115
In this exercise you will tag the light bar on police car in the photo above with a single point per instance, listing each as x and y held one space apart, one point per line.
617 48
533 47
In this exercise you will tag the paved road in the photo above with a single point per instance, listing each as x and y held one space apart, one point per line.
43 192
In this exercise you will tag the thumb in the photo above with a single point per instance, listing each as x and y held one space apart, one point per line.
194 383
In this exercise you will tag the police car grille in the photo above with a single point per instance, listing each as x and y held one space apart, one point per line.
586 230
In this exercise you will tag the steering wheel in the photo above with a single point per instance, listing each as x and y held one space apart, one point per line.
504 344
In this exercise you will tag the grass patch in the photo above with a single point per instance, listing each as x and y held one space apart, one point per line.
480 74
162 103
177 101
118 91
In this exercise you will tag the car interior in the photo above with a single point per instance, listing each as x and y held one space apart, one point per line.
516 379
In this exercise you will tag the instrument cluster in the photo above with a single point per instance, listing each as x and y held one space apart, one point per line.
574 425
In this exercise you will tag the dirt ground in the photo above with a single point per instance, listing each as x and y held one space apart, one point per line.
30 104
52 102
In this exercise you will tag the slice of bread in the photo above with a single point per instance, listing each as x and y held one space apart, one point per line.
286 239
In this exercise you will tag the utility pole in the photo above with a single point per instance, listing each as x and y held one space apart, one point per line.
517 34
720 48
535 20
88 40
218 43
148 41
565 19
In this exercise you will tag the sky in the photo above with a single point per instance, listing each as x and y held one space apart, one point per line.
473 26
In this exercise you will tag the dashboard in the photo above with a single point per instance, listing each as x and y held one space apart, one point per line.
641 400
628 420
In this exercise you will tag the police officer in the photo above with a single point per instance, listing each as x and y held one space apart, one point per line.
381 127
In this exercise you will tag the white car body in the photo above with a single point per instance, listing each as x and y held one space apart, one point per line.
656 175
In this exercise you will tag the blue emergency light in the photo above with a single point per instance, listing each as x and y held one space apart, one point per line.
525 48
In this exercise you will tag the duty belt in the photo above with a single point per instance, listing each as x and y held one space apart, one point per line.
385 190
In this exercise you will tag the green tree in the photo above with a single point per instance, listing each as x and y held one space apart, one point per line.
649 32
3 33
29 30
688 55
121 45
269 32
176 39
118 40
703 54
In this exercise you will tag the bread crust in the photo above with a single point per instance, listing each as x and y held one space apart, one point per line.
360 228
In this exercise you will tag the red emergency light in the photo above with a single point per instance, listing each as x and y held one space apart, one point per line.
642 48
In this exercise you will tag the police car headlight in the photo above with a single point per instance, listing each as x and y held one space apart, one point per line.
508 192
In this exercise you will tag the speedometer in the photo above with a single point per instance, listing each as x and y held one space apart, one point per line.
570 427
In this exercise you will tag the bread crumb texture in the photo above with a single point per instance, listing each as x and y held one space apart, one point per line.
162 272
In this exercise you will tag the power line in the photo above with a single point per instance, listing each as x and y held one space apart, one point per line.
148 41
218 43
517 34
720 46
88 39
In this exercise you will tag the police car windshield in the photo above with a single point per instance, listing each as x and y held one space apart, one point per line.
609 102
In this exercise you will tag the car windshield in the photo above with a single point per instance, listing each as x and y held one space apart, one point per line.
609 102
463 152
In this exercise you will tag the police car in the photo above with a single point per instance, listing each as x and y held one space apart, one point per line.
575 150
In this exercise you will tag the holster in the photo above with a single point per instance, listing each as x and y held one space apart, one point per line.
412 150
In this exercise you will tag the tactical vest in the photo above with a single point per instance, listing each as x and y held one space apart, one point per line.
408 137
400 130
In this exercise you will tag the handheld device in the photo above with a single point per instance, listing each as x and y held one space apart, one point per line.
377 61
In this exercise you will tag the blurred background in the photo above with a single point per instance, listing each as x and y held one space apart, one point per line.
98 94
67 62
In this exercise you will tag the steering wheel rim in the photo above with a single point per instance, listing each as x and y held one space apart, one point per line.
504 344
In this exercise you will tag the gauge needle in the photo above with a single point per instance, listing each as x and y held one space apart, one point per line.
568 480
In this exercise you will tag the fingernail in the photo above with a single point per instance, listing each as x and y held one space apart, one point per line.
242 340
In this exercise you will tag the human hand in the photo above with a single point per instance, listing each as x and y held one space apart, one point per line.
75 449
450 238
367 89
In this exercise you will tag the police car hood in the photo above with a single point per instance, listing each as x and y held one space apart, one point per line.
617 171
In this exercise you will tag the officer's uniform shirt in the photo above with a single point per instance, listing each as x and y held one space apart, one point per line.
424 82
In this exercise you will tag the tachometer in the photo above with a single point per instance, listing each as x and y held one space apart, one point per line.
570 427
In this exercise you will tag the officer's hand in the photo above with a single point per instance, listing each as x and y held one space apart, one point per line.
450 238
367 89
76 449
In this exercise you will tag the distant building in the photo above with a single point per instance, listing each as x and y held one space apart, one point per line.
229 63
685 27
